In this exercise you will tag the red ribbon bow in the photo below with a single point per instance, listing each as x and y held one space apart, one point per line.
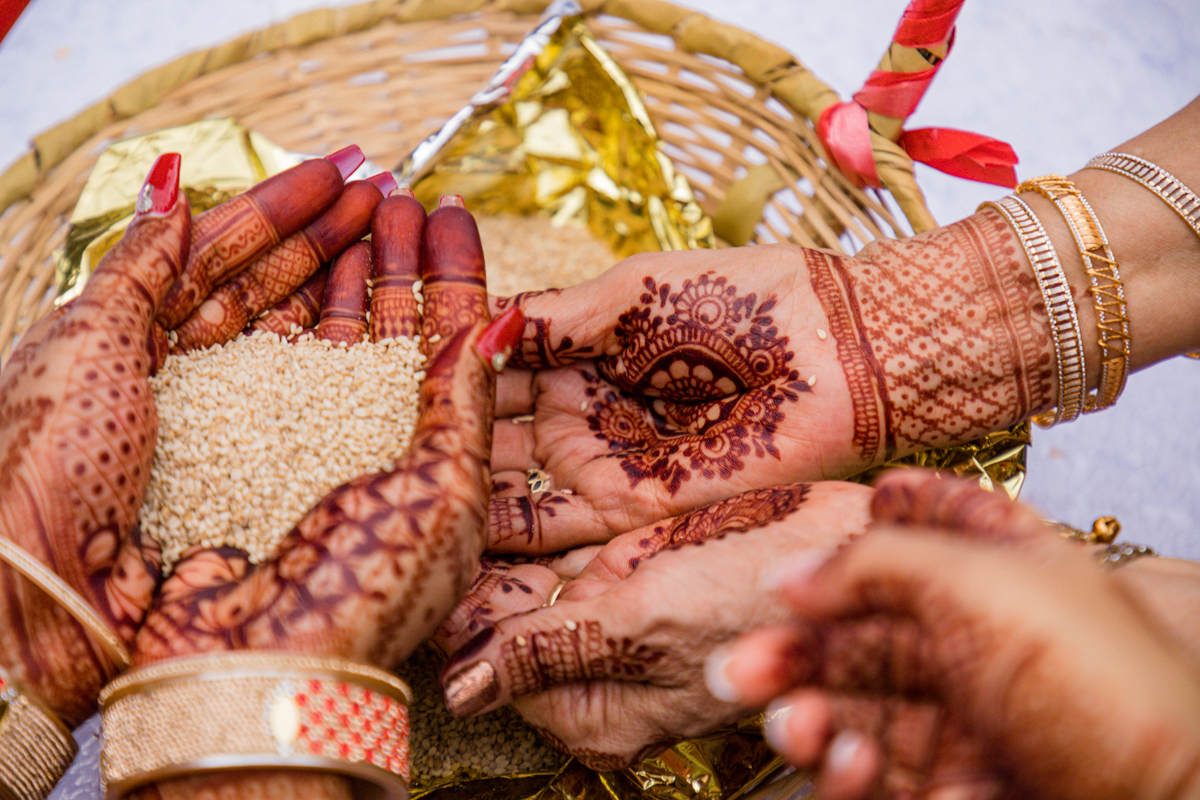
845 132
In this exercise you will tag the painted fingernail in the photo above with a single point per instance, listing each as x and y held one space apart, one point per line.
844 750
160 192
406 192
497 341
452 200
799 569
385 183
347 160
775 729
472 689
716 677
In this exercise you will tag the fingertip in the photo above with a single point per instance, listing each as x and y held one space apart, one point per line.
471 689
347 160
850 768
495 344
797 726
385 182
716 676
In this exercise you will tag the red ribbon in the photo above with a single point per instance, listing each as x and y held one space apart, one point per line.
926 22
846 135
845 131
894 94
964 154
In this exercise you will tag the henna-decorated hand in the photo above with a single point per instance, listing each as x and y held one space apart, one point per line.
678 379
612 671
77 418
377 563
935 658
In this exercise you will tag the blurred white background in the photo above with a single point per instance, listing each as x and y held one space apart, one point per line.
1060 81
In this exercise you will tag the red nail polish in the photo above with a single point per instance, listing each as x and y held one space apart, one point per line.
347 160
452 200
498 339
385 183
160 192
406 192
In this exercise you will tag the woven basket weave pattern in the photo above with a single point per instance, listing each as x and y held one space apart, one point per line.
385 75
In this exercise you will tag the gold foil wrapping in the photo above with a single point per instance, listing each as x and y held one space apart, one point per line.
223 159
574 141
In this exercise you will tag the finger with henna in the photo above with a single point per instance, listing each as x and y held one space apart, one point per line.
302 308
280 271
344 311
397 228
230 237
922 497
455 288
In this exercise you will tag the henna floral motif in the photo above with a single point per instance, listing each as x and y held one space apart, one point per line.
936 356
521 517
739 514
579 652
703 376
538 350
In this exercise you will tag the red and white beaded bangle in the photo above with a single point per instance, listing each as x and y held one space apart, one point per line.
247 710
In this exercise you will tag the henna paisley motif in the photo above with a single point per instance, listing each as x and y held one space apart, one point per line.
745 512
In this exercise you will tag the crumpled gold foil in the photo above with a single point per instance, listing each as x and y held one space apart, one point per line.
997 459
574 140
223 159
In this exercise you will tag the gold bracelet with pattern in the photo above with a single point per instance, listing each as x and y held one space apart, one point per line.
45 579
1172 190
35 747
1108 293
1056 292
253 709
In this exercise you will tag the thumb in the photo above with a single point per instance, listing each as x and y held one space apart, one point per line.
523 654
137 272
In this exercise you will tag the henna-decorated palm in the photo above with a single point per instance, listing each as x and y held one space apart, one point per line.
378 562
676 380
962 650
613 671
77 418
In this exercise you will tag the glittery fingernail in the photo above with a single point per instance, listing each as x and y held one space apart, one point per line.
472 689
160 192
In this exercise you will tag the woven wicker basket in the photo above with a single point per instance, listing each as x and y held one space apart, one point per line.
736 113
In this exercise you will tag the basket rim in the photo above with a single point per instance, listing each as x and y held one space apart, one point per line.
766 64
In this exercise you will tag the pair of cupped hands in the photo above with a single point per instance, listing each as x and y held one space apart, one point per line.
674 408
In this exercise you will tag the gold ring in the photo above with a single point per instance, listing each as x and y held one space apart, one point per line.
555 592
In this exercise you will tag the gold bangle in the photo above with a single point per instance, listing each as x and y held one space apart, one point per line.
252 710
1056 292
45 579
1173 191
1108 293
35 747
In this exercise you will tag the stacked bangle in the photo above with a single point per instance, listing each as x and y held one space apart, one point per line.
251 710
1172 190
1056 292
1108 293
35 746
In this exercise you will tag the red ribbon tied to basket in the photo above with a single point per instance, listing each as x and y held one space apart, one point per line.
844 128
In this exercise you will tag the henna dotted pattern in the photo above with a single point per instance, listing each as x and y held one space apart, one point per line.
933 357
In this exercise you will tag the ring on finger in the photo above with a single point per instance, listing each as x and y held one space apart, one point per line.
554 593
